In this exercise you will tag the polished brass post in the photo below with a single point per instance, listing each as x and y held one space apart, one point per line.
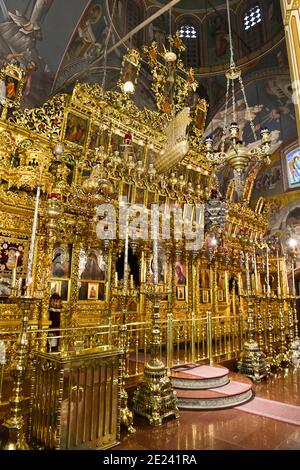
270 328
252 361
125 296
295 345
170 341
155 398
15 423
282 358
2 365
192 283
209 338
125 413
294 257
270 322
260 340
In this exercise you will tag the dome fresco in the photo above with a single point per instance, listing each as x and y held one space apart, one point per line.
196 5
60 42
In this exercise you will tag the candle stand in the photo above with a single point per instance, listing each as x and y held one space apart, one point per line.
252 362
294 349
125 297
15 423
155 398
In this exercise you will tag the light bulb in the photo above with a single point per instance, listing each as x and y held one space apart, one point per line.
128 87
214 241
170 57
58 149
292 243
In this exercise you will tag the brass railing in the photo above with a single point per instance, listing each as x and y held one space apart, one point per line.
197 339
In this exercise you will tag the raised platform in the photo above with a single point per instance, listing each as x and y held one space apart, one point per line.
209 387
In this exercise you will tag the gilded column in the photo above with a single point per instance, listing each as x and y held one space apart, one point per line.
47 265
74 279
291 19
143 279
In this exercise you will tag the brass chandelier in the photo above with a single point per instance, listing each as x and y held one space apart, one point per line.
232 150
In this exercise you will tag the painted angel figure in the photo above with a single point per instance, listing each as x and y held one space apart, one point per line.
20 31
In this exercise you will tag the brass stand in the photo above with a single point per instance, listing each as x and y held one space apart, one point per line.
155 398
294 348
295 345
270 357
260 340
252 362
282 358
15 423
126 415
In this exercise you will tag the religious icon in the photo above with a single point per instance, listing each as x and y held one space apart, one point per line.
293 168
103 139
4 287
93 291
92 267
11 256
180 273
61 261
11 86
139 196
204 278
55 288
94 137
116 142
76 129
180 292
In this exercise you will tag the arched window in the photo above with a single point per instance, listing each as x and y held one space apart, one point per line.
253 27
189 32
134 18
252 17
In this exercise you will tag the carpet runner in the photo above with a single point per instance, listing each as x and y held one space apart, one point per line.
204 371
272 409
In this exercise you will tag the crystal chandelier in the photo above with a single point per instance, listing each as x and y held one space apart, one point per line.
232 150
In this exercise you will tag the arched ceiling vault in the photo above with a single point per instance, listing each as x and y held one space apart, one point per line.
59 42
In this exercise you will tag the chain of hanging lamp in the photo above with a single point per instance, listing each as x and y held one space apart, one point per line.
106 45
236 154
235 73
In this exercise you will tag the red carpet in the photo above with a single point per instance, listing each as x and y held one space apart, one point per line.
205 372
273 409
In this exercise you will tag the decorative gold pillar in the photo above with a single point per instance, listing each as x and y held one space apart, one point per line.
77 245
46 265
143 279
190 259
291 19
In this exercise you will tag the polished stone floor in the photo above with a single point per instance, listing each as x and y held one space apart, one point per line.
230 429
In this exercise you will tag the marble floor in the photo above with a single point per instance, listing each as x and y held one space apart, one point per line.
229 429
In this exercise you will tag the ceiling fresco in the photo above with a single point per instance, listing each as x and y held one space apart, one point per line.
36 33
59 42
196 5
270 97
